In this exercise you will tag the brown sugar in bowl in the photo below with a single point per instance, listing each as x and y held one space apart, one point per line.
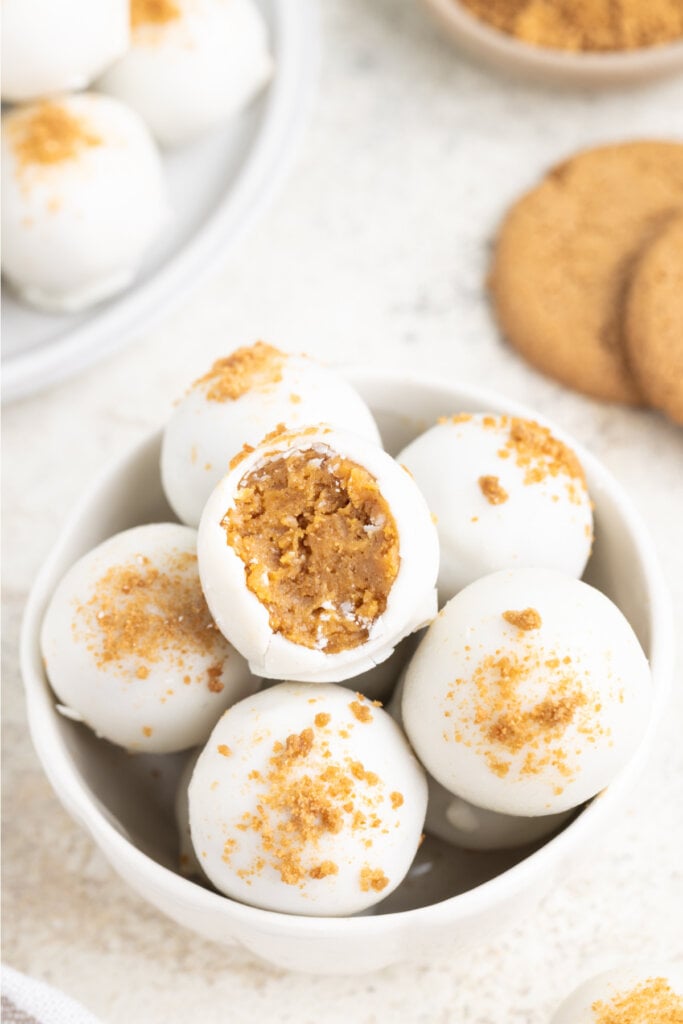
565 68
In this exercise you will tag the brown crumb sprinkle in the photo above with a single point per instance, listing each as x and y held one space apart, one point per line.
322 719
360 710
541 455
252 366
224 750
396 800
509 725
141 613
153 12
49 134
305 797
323 870
214 672
653 1001
373 878
493 490
147 730
527 619
459 417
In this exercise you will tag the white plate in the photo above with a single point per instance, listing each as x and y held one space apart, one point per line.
218 187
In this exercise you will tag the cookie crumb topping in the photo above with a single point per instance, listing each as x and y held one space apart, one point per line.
493 490
652 1000
254 366
527 619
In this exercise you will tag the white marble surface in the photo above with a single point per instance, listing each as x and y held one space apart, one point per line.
375 250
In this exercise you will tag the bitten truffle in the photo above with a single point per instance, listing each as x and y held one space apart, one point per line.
317 554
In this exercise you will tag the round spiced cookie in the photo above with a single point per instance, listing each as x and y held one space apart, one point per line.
564 255
654 321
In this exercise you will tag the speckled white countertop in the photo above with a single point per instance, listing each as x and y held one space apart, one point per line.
375 250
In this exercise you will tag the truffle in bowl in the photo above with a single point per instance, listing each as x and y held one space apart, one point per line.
451 899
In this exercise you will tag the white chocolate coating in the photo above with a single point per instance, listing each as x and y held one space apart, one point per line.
638 994
547 523
76 231
376 798
463 824
411 602
160 700
527 721
53 46
195 70
202 434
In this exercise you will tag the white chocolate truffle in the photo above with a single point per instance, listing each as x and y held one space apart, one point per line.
83 199
53 46
506 494
307 800
644 994
130 647
191 65
317 554
242 398
528 693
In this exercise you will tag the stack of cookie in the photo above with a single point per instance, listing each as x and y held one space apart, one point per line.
587 276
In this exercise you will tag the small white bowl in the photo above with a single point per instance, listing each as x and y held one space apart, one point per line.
559 67
451 899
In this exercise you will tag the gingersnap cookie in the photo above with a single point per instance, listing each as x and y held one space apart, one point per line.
653 321
564 255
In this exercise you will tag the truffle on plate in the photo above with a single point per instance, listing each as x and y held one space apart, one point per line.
83 199
191 64
53 46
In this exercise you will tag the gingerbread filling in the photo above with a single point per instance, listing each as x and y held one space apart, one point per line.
320 547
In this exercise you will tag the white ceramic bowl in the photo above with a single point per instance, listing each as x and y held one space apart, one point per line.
558 67
451 899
